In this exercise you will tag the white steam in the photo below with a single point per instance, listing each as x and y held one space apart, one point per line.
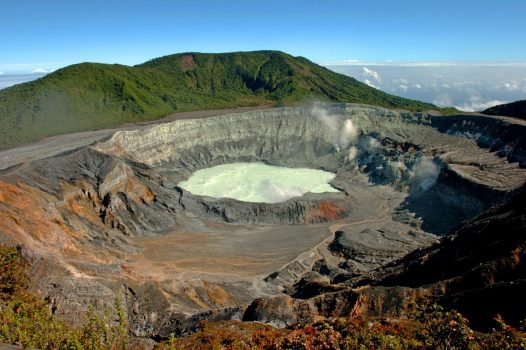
331 121
343 133
398 166
372 143
424 174
353 153
274 192
349 133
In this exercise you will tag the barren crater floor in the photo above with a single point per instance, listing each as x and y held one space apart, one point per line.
114 218
230 253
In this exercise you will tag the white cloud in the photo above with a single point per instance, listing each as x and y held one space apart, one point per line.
475 104
371 73
511 86
443 100
40 71
447 86
426 64
400 80
1 73
368 82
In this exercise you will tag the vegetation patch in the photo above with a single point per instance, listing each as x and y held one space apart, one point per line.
26 320
91 96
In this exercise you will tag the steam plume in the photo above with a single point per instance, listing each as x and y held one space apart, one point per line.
343 133
425 174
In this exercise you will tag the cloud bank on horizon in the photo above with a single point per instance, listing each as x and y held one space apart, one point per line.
468 86
23 73
41 70
7 80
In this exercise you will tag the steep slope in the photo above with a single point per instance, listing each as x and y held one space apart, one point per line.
479 270
515 109
91 96
110 219
481 263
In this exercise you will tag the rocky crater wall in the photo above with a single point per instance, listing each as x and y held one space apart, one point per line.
451 162
95 219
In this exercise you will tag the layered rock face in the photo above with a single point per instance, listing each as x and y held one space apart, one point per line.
110 220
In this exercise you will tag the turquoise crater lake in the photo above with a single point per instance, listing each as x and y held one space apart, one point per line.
257 182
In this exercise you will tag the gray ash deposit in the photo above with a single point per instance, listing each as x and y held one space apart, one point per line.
110 219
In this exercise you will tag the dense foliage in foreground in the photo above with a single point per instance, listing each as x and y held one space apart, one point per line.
91 96
429 328
26 320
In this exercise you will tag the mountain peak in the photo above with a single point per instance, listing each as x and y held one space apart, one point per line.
90 96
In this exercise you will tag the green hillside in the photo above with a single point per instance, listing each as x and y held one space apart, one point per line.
90 96
515 109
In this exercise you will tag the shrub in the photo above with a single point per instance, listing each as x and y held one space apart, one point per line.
26 319
443 329
12 272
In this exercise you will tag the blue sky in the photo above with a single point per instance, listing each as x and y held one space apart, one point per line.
46 35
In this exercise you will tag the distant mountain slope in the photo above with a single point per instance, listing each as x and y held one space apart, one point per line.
91 96
515 109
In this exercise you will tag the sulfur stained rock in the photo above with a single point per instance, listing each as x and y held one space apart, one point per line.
109 219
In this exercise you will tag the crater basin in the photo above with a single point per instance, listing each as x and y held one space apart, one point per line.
170 217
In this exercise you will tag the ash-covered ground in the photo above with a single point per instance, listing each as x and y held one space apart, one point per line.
109 218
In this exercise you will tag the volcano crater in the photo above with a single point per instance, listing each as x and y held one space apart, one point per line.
112 218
